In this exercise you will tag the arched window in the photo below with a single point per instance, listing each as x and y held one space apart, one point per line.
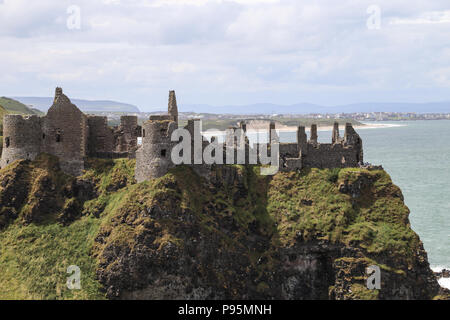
7 142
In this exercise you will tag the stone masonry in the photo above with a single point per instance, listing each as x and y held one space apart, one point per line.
153 157
69 134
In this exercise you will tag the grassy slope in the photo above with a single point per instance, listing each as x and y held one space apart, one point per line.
16 107
33 257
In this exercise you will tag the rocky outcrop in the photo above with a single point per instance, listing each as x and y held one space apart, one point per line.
35 190
225 242
227 232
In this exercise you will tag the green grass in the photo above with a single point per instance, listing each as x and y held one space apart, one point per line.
307 204
377 221
34 260
3 111
34 257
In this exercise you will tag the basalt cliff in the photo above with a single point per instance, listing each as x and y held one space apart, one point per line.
229 233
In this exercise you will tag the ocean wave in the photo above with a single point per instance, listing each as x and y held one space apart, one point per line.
439 268
444 283
371 125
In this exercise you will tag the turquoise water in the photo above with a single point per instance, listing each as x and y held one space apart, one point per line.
416 154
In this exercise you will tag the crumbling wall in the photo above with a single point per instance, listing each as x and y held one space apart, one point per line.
330 156
289 150
65 131
101 138
22 138
125 136
340 153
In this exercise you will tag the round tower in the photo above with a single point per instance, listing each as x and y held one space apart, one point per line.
153 158
22 138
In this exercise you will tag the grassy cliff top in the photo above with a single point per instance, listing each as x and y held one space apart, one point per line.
104 221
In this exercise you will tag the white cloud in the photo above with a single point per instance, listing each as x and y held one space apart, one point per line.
226 51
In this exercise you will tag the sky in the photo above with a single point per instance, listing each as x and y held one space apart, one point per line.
227 52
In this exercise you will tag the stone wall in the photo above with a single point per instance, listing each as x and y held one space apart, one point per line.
125 136
65 133
69 134
340 153
330 156
101 138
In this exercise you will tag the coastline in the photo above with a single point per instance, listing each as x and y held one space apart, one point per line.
259 129
443 282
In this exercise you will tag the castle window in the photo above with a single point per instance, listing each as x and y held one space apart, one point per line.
58 137
143 133
43 136
7 142
163 152
163 131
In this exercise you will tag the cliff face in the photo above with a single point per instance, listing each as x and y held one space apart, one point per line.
229 234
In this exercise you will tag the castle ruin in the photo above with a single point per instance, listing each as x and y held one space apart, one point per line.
72 136
69 134
154 156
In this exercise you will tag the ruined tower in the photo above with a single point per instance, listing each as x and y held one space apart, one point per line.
153 157
21 138
173 108
351 138
62 132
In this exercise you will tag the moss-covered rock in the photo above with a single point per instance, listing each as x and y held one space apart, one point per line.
229 233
